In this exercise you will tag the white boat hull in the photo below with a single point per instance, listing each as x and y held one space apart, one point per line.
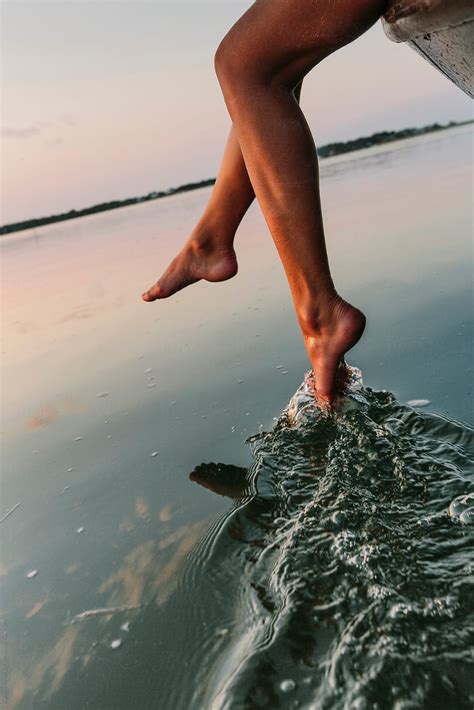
441 31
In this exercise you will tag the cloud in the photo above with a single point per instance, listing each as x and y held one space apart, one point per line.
66 119
26 132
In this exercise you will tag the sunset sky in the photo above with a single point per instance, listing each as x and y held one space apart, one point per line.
105 99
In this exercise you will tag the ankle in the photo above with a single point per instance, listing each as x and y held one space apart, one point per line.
207 240
317 316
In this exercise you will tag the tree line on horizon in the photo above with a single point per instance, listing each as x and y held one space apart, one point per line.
325 151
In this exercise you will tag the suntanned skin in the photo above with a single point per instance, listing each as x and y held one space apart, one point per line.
270 154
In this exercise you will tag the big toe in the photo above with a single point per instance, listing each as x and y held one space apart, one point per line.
152 294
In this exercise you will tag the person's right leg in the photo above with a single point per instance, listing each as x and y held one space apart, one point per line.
274 45
209 252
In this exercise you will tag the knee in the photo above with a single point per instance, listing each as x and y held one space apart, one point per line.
229 63
240 65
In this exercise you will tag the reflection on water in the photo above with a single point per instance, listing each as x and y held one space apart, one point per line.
341 576
351 572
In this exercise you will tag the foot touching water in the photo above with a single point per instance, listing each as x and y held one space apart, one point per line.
327 341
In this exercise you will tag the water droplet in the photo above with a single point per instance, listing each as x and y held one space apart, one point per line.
116 643
148 370
32 573
106 421
109 436
78 438
222 632
153 454
150 385
80 530
102 394
418 402
287 686
284 372
70 469
279 367
125 626
240 381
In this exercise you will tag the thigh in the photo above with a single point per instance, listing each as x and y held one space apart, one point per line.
284 39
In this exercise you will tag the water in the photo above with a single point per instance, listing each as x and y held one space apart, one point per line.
355 578
237 547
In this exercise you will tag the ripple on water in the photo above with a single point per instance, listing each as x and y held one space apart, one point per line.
344 570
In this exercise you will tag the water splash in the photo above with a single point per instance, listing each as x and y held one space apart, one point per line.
349 568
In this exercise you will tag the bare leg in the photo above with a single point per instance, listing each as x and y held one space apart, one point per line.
209 253
274 45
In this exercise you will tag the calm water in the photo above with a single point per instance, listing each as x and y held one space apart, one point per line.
254 552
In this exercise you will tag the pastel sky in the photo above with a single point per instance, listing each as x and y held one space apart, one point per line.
107 99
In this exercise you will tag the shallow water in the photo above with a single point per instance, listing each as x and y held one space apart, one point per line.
355 578
334 566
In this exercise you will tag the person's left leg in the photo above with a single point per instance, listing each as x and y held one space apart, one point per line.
209 252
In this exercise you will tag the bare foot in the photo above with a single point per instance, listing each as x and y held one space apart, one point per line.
327 343
194 262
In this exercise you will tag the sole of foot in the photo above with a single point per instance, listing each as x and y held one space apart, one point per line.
193 264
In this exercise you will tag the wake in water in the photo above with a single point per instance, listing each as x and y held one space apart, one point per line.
346 564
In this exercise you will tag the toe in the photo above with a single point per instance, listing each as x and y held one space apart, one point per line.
152 294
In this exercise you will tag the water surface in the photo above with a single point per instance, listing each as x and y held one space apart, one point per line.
325 563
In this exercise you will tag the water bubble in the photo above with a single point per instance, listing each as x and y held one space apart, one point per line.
80 530
150 385
78 438
116 643
70 469
153 454
148 370
467 516
102 394
32 573
284 372
461 505
288 685
279 367
125 626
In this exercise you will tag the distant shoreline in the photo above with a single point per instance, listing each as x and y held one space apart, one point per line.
326 151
